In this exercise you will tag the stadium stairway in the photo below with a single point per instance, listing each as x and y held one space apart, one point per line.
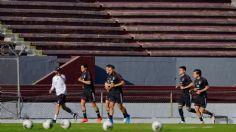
67 28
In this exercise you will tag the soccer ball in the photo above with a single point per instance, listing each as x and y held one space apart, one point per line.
27 124
65 124
107 125
156 126
47 124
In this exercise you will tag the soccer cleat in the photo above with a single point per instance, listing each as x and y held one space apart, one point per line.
182 122
75 116
54 121
84 120
127 119
202 122
99 120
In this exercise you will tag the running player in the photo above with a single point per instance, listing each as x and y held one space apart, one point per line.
201 88
88 93
185 84
58 84
114 85
106 99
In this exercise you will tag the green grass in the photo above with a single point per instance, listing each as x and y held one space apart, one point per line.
122 128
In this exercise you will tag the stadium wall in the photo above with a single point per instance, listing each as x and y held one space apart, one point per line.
31 68
161 71
143 111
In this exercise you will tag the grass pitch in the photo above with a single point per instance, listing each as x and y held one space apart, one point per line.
121 128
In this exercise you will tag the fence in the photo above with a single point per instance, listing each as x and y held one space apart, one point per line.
139 103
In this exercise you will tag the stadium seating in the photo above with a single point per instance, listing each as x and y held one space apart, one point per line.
178 27
67 28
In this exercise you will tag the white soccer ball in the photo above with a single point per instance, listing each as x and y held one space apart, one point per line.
107 125
27 124
65 124
47 124
157 126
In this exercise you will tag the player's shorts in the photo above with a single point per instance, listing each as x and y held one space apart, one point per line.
116 97
61 99
185 100
88 95
201 102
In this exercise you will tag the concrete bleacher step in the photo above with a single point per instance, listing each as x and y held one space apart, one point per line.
180 29
177 21
67 29
165 5
95 52
171 13
74 37
52 13
192 53
70 21
189 45
49 5
83 44
178 37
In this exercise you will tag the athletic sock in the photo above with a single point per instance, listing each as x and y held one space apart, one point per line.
84 114
208 113
55 117
98 114
110 117
200 118
181 113
125 114
192 110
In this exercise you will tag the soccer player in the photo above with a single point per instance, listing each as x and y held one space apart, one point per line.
58 84
114 84
185 84
107 100
201 87
88 93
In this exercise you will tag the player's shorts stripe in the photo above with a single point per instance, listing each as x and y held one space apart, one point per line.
93 96
190 96
121 98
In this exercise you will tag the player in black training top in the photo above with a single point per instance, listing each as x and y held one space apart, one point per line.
88 94
113 85
201 87
185 84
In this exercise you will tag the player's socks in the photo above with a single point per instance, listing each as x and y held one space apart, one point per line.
181 113
208 113
125 114
201 119
84 114
192 110
55 117
110 118
75 116
98 114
